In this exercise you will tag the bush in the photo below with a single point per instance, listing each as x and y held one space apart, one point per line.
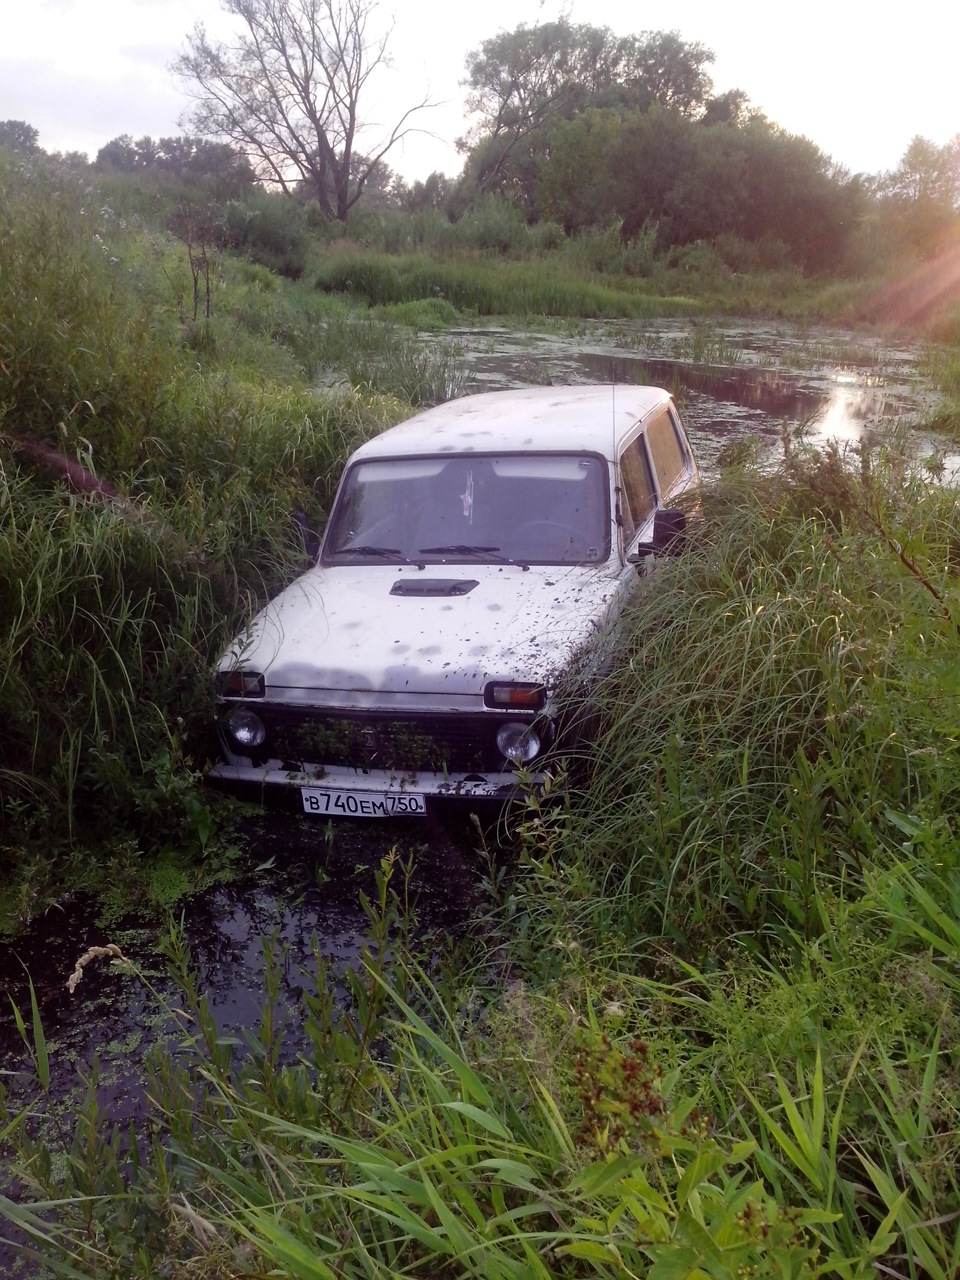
492 225
427 314
271 230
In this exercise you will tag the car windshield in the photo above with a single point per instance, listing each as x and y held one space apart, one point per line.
531 508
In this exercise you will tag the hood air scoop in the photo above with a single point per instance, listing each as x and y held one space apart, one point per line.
433 586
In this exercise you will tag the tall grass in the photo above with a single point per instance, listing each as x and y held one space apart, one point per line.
488 287
789 682
709 1024
942 367
76 347
412 1140
724 1029
399 1156
146 491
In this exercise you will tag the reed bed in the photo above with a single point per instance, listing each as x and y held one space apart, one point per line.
787 688
148 474
709 1024
553 1137
716 1021
488 287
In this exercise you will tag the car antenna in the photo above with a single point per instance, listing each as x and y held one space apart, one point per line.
613 410
613 441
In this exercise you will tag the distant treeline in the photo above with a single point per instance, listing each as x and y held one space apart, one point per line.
577 130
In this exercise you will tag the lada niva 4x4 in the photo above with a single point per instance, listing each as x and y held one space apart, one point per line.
472 574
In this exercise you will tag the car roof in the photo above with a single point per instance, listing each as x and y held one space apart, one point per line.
594 418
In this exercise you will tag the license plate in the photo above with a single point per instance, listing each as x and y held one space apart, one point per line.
361 804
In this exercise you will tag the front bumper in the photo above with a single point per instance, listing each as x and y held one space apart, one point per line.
271 783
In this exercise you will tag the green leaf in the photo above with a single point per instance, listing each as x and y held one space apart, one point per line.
702 1167
591 1251
513 1173
601 1178
699 1237
480 1117
299 1260
470 1082
674 1263
555 1120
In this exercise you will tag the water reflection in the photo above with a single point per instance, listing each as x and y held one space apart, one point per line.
826 383
305 899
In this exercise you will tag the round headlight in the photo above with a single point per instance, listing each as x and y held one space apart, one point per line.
246 728
518 742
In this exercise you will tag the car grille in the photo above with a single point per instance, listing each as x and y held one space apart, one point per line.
455 743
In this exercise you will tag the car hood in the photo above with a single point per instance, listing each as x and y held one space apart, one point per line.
341 630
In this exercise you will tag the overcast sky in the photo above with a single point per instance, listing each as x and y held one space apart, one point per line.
860 81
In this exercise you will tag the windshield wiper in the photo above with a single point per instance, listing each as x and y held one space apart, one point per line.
465 549
384 553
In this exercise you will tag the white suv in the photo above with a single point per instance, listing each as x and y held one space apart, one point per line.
469 581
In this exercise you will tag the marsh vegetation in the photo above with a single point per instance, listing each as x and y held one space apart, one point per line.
706 1021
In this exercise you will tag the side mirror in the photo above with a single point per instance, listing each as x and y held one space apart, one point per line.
669 526
311 543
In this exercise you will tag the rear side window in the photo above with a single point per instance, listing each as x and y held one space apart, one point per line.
667 452
640 495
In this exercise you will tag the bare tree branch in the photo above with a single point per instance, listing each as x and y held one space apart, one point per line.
288 92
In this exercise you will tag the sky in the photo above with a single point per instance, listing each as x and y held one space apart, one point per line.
860 81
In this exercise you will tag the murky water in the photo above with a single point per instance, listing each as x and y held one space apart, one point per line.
732 381
305 897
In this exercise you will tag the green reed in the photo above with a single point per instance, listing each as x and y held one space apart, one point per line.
785 682
120 587
486 286
723 1031
419 1146
546 1132
712 1025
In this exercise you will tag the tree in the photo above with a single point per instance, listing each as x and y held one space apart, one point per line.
17 135
70 161
921 197
927 172
757 183
521 81
658 66
571 185
732 107
216 166
289 91
432 193
119 154
202 230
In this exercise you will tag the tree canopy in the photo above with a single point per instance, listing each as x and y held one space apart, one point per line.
921 197
217 166
521 81
17 135
290 91
570 125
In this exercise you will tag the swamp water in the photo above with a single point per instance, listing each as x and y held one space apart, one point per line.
302 903
733 382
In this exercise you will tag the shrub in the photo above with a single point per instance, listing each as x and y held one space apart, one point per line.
271 230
